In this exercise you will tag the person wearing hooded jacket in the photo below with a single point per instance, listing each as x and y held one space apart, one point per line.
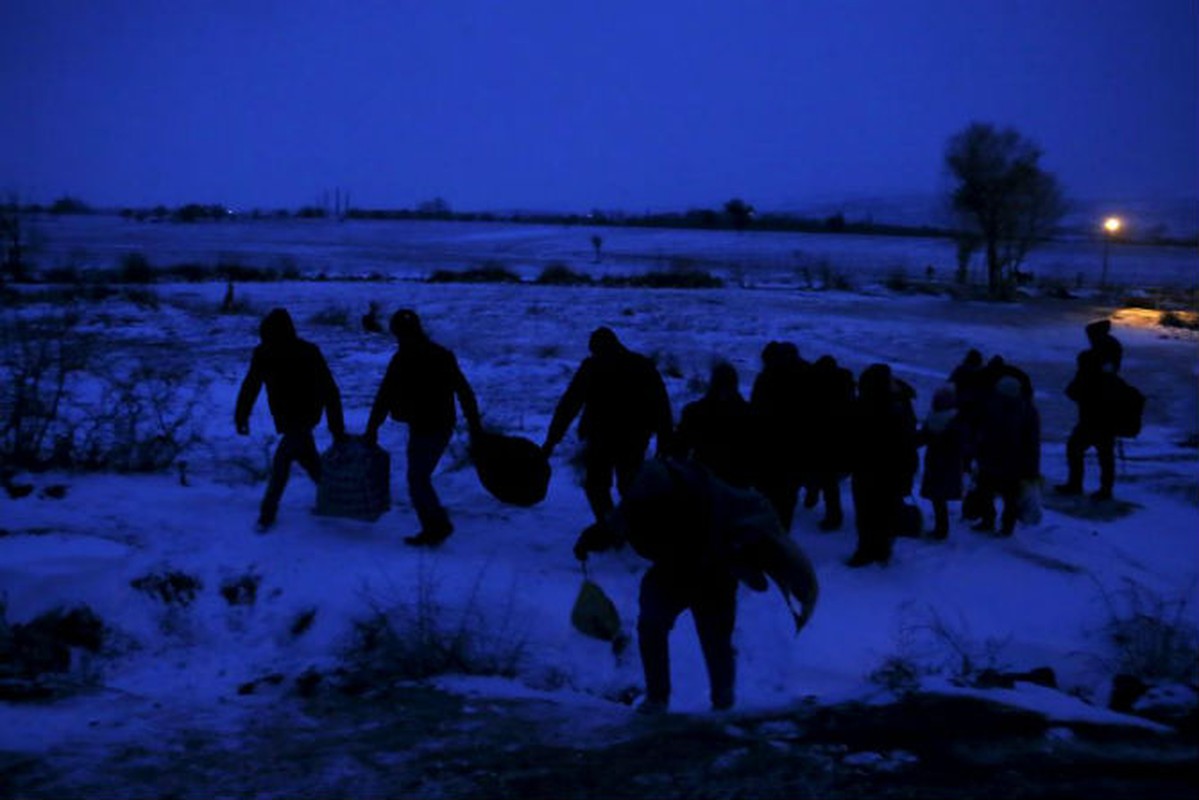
1009 451
1092 389
884 461
716 430
780 403
299 389
419 388
833 390
623 403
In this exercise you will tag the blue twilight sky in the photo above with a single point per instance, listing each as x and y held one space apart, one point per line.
565 105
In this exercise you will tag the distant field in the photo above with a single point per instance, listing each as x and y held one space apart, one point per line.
413 249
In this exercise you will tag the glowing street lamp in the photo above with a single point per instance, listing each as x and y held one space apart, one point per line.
1111 227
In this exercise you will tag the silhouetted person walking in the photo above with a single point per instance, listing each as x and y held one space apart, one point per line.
779 404
299 389
419 388
702 537
828 426
1092 390
716 430
623 404
884 461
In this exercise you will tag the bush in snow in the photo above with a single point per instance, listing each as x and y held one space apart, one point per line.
36 655
241 590
930 644
562 275
61 407
418 635
172 587
143 421
1151 637
39 357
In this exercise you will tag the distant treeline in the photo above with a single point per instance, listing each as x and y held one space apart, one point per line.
735 215
693 219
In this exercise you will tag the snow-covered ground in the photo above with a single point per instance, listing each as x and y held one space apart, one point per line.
414 248
1041 598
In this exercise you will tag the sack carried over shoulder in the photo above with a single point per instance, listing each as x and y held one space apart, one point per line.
511 468
355 480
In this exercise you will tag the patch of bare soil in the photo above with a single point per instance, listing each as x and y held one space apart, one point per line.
419 742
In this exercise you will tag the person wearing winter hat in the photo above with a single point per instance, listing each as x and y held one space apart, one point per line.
419 388
299 389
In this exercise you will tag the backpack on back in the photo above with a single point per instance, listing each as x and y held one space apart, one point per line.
1128 408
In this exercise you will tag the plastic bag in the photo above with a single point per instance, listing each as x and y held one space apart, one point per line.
594 614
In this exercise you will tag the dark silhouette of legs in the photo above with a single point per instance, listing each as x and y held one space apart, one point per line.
713 604
714 609
600 463
424 451
830 487
299 447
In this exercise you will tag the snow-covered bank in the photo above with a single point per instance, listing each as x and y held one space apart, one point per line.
1035 600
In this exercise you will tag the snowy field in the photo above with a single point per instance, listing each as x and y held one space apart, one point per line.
416 248
1042 598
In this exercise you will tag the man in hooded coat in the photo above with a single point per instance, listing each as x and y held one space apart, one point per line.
1092 389
623 403
419 388
884 461
829 420
299 389
779 402
716 430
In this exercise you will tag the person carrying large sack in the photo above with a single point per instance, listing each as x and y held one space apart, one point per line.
702 536
299 389
419 388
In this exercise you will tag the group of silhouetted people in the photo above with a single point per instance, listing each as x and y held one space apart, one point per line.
805 427
419 388
714 506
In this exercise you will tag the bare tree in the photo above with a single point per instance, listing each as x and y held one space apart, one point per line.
1001 196
739 213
